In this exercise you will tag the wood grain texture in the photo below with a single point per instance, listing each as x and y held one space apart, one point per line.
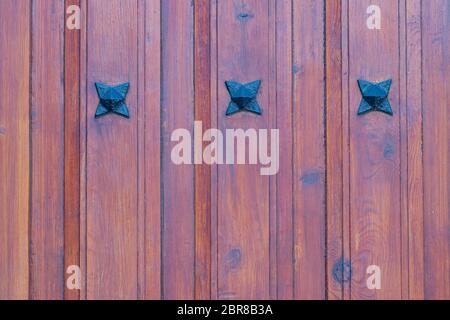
112 160
243 206
71 151
151 121
346 214
374 155
272 122
202 72
309 150
436 148
83 151
178 181
14 148
403 147
214 167
47 157
415 150
141 155
334 143
284 186
105 194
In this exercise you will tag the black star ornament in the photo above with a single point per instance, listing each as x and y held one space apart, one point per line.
375 97
243 97
112 99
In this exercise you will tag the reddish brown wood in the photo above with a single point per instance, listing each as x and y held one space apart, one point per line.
334 142
436 149
14 148
104 193
309 150
141 151
151 122
202 67
403 147
71 151
47 156
346 220
415 152
112 153
243 206
178 181
272 121
214 168
284 190
83 151
374 155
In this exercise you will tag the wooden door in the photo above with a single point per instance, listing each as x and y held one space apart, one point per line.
352 191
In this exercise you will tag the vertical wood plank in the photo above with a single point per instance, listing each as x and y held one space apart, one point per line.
14 148
272 123
285 241
202 71
346 220
177 112
151 121
141 150
83 150
334 139
47 160
243 208
112 153
214 168
403 148
415 154
309 150
395 223
375 154
71 150
436 117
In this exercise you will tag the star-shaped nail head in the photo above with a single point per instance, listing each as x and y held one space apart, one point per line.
375 97
243 97
112 99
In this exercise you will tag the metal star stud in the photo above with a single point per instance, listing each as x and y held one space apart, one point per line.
375 97
112 99
243 97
